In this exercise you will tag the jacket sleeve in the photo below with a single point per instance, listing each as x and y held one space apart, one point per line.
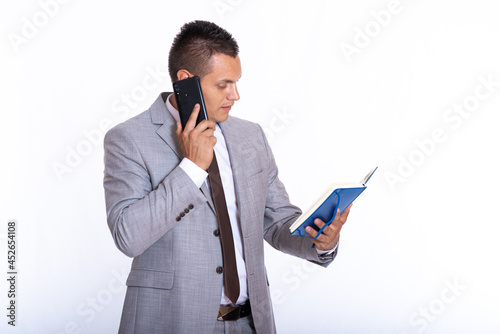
280 214
139 215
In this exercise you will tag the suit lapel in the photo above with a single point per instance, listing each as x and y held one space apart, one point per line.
234 146
236 143
161 116
206 192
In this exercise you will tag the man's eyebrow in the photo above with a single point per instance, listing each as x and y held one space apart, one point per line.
229 80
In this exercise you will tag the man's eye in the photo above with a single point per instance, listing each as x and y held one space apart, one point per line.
221 87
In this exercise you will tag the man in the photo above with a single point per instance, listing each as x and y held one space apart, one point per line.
161 212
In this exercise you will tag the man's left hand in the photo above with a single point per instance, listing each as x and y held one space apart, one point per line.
331 234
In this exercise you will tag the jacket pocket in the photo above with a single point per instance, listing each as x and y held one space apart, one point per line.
254 161
151 279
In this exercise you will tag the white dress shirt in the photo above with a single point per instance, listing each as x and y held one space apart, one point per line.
199 176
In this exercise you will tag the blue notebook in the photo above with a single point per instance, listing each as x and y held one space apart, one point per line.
338 196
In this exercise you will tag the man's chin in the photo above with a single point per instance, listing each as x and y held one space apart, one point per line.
220 117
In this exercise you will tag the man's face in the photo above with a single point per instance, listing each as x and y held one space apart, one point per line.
219 86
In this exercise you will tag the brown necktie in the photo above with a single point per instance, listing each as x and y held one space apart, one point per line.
231 280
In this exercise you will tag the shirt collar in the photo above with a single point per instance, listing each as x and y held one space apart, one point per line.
174 112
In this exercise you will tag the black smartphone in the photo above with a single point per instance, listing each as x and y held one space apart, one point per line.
187 94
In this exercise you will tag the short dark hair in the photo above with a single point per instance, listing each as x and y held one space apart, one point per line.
194 46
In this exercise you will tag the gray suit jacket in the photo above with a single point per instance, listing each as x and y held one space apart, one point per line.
173 286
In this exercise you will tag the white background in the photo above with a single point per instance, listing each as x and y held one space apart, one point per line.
420 250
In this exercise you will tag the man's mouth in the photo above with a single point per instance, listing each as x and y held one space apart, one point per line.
227 108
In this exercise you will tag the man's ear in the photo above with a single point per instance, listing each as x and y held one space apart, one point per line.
183 74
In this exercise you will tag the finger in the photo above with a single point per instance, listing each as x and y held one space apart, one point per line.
337 216
312 232
346 211
206 124
345 214
209 132
191 123
327 231
178 132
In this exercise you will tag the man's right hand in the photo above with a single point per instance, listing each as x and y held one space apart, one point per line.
197 141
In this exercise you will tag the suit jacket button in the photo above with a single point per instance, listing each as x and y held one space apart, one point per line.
219 270
182 214
216 232
178 219
186 210
191 206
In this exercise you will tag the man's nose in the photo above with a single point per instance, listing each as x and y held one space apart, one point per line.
233 94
